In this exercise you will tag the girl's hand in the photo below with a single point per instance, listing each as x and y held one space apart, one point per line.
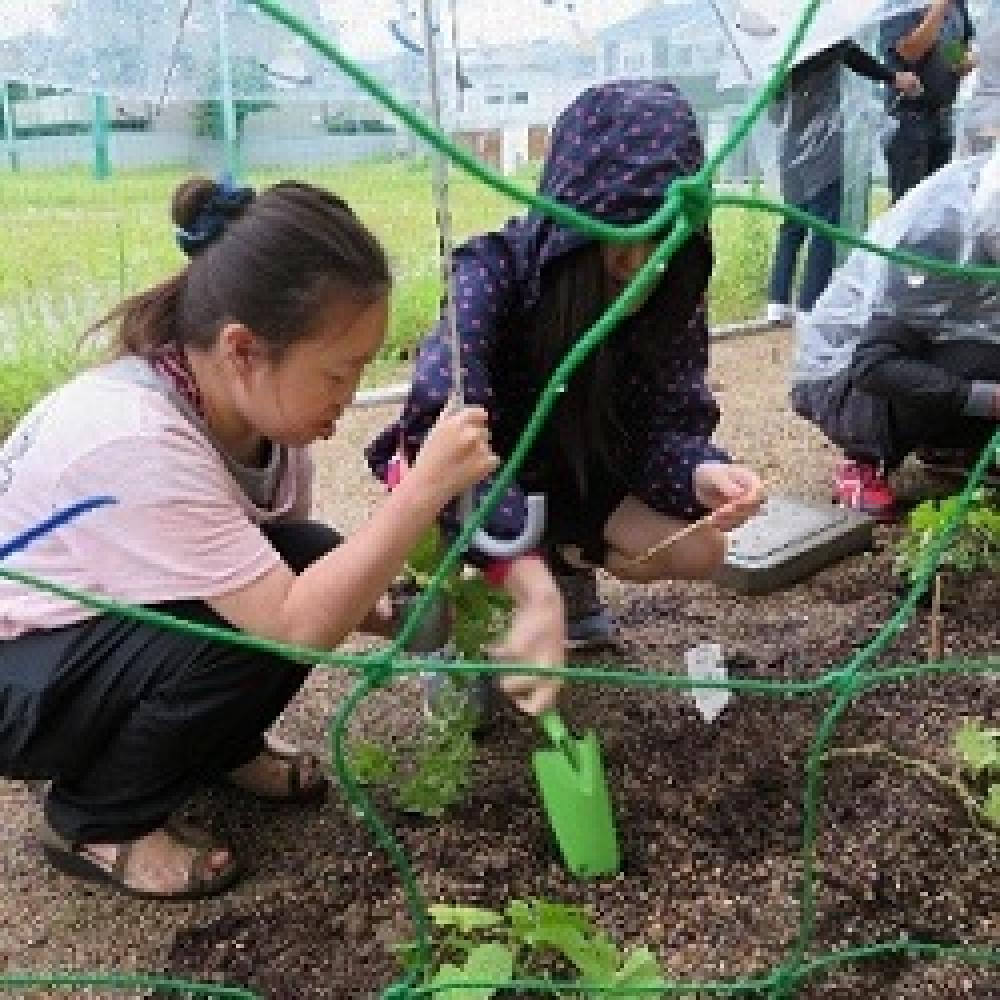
537 635
732 492
908 83
455 455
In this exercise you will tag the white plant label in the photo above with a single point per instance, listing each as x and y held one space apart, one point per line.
705 663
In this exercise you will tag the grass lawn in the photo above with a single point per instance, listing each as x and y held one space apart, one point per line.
79 245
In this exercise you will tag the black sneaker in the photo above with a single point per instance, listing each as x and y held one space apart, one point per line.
588 624
448 695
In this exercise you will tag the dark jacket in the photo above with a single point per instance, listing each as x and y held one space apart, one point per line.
614 152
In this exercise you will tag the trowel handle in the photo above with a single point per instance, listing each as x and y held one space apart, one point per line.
499 548
556 729
561 737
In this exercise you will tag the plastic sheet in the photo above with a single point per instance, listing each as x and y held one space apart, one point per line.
161 49
954 216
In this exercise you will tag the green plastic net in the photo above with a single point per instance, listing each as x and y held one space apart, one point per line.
688 205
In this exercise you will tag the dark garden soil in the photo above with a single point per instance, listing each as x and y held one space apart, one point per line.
710 815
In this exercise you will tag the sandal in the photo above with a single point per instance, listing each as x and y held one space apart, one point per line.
306 781
72 858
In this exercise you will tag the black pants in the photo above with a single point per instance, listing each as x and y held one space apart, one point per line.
127 719
923 142
912 430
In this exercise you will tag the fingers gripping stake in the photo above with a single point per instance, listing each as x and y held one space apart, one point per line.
534 523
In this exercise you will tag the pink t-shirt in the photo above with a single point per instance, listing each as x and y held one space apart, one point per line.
182 528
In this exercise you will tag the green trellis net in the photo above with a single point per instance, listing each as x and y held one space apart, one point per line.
687 206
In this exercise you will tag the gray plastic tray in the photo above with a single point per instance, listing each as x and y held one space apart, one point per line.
789 540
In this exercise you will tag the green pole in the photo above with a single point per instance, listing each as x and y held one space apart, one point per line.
229 128
8 128
102 161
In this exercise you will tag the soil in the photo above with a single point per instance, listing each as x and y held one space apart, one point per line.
710 815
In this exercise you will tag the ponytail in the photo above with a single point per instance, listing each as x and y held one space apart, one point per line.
144 322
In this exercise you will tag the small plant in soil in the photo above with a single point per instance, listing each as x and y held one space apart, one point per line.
974 546
533 939
978 750
434 770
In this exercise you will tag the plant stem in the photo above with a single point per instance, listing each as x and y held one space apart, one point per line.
954 785
936 651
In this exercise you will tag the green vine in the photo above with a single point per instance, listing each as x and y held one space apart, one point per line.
433 771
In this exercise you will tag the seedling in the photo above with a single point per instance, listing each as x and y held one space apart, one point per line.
531 939
974 546
433 771
978 751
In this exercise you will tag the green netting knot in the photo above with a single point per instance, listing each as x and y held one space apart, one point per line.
693 196
399 991
786 982
379 672
845 682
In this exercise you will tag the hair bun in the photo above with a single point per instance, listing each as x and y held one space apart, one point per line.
202 209
191 197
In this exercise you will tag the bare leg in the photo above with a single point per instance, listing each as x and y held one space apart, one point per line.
634 528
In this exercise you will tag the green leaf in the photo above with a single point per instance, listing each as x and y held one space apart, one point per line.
537 921
426 555
371 763
978 748
465 918
640 969
991 807
488 963
597 957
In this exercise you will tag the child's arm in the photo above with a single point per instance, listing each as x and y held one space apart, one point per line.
325 603
483 300
537 633
675 416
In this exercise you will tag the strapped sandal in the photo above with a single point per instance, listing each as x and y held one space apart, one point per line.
300 791
69 857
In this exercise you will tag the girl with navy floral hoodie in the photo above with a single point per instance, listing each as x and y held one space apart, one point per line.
625 459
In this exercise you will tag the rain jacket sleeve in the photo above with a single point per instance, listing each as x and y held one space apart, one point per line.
675 437
891 357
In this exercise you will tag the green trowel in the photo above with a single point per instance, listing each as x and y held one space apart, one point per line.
575 794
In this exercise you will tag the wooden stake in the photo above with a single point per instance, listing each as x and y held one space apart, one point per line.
666 543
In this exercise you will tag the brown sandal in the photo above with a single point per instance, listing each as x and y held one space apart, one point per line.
69 857
300 764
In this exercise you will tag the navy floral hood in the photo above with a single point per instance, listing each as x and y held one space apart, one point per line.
613 153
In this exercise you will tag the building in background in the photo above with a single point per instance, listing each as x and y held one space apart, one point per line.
682 41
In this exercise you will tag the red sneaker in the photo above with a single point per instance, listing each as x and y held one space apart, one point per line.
859 485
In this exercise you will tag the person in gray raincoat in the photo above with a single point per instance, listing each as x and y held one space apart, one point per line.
892 360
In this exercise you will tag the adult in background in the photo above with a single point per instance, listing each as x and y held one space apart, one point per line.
811 153
934 44
891 360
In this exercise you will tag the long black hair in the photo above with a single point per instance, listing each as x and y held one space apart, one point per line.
587 427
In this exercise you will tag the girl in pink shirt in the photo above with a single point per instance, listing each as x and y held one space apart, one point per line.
222 376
